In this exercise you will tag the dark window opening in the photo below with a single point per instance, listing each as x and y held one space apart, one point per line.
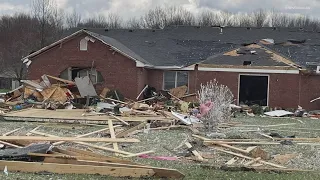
73 72
246 63
253 90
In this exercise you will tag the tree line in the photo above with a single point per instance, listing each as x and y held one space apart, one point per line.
23 33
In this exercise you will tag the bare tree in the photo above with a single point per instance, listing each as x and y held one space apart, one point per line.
114 21
48 16
99 21
73 20
133 23
17 37
208 18
259 18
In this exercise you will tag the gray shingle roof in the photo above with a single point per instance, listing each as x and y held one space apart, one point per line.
186 45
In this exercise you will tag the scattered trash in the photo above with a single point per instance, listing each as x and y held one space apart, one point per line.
278 113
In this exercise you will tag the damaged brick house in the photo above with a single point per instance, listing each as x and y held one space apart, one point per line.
276 67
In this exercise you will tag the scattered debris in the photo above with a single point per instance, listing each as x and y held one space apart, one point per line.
278 113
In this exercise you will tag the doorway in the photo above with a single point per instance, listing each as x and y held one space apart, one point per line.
254 89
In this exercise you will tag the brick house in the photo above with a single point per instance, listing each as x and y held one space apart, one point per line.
268 66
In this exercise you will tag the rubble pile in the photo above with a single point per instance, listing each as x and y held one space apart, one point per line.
123 119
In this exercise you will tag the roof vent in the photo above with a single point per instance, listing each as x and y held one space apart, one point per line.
106 30
130 30
248 28
246 63
318 70
274 28
153 30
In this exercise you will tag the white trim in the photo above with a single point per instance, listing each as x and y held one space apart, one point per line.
51 45
268 89
178 68
275 71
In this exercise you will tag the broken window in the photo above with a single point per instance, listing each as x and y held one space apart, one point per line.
83 44
72 73
173 79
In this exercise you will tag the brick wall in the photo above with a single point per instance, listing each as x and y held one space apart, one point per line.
118 71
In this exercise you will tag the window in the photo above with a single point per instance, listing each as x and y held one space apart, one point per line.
173 79
72 73
83 44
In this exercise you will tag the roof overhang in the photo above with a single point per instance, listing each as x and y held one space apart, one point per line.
250 69
27 60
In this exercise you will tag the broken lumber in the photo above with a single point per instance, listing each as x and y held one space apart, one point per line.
11 132
113 136
36 128
210 142
10 144
84 135
128 131
35 167
139 154
194 152
69 139
250 158
159 172
62 80
123 121
86 144
87 155
253 161
231 161
256 169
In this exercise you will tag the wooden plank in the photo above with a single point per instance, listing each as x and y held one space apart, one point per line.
138 154
243 143
125 132
253 161
34 167
250 158
159 172
11 132
36 128
87 144
231 161
124 122
86 155
10 144
69 139
257 169
76 156
233 148
194 152
113 136
62 80
84 135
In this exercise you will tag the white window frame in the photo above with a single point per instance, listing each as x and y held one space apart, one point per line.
84 44
175 80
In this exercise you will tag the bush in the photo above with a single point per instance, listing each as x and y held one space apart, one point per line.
221 97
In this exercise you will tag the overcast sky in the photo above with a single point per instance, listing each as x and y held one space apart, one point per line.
131 8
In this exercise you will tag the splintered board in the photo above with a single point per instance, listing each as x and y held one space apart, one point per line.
40 138
34 167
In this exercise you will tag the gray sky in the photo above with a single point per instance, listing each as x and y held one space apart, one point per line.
131 8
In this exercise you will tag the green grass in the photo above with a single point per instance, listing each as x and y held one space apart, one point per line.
4 90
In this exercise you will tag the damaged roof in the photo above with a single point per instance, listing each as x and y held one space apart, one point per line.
253 55
186 45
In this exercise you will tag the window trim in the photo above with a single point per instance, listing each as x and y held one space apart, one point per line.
175 80
84 43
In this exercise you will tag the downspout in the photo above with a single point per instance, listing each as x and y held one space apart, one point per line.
299 103
196 78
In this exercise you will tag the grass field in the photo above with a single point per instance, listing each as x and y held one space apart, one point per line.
157 140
